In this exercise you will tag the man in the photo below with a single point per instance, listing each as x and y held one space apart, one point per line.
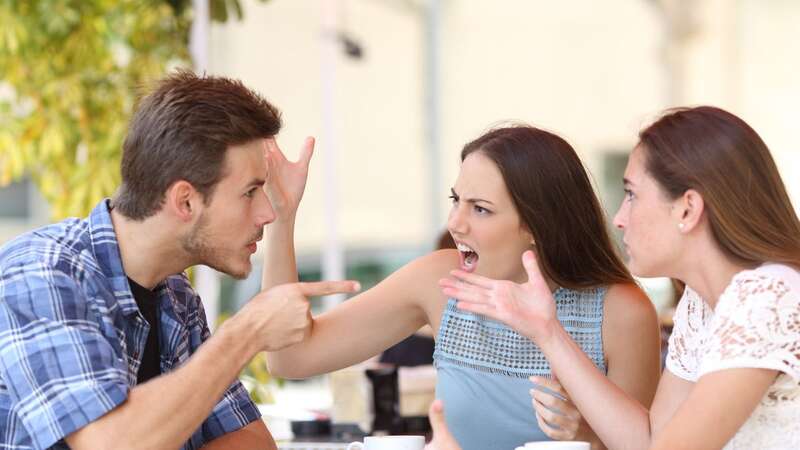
100 331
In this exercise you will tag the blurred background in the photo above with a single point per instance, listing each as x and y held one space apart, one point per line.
391 89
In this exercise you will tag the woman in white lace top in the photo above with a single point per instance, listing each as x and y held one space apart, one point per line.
704 204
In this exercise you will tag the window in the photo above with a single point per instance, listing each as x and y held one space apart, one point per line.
15 200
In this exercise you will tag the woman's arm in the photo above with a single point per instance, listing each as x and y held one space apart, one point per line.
286 183
621 421
368 323
362 326
717 407
632 350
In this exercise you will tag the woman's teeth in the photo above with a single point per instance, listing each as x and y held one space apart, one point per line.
470 256
463 248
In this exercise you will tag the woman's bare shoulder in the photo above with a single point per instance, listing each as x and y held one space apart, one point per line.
626 302
420 277
436 264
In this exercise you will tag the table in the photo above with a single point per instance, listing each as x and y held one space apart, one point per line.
312 446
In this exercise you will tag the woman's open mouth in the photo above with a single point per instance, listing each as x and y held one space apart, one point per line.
469 257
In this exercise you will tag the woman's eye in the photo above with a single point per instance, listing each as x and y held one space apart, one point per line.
628 194
250 193
481 210
453 199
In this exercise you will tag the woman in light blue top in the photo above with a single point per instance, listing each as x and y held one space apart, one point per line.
520 188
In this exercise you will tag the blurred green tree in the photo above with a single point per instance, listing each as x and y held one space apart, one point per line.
71 73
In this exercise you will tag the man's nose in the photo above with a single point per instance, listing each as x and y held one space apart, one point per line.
266 213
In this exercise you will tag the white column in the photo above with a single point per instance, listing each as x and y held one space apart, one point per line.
206 279
432 47
198 36
332 253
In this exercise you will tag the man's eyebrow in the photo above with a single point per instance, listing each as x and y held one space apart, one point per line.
627 182
256 182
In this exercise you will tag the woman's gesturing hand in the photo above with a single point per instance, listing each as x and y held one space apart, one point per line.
528 308
286 180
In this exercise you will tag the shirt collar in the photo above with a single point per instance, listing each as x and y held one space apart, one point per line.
106 251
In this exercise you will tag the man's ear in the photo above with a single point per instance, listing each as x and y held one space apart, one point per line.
689 210
183 200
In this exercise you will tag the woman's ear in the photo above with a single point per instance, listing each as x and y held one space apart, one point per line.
529 237
689 210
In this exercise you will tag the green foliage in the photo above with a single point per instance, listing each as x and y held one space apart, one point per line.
218 9
74 67
258 381
71 72
255 376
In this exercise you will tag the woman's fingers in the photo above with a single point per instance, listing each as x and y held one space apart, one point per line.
272 147
554 401
531 265
559 425
551 384
478 308
442 439
550 431
471 278
307 151
554 408
553 433
463 291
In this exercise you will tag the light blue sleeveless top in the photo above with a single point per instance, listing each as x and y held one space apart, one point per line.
483 368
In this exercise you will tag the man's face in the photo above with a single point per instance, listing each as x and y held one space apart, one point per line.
225 234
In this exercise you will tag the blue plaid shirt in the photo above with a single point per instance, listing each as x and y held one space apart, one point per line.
72 337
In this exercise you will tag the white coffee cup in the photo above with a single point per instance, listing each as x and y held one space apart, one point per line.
389 443
557 445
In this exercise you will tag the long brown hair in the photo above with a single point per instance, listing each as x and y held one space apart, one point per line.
720 156
556 203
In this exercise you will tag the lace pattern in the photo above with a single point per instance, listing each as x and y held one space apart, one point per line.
690 320
756 323
479 343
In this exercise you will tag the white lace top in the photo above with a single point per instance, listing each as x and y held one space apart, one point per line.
756 324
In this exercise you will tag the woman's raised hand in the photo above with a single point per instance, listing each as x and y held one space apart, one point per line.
528 308
286 180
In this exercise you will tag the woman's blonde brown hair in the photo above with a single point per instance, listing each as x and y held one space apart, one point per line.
720 156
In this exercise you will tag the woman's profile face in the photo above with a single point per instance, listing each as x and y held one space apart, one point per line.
651 235
484 222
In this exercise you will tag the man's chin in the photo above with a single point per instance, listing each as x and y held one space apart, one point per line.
240 273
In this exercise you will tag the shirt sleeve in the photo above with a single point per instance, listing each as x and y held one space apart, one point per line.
60 371
756 325
681 352
235 409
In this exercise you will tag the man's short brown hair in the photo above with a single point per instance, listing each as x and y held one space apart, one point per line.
181 131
